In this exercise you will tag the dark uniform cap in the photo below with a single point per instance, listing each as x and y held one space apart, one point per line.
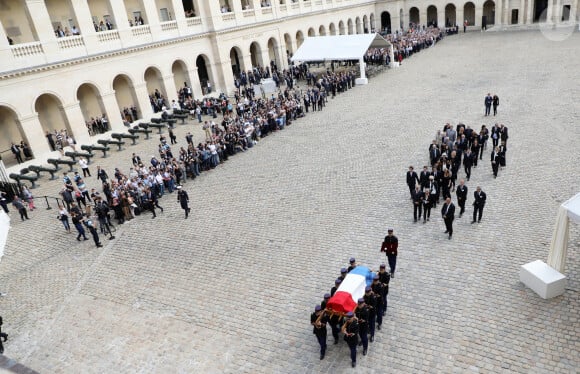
361 300
376 277
349 314
343 270
338 281
368 289
352 260
383 266
327 296
318 308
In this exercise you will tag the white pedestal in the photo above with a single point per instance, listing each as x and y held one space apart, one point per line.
543 279
360 81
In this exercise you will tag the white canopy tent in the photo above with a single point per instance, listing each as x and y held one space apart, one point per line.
570 210
342 47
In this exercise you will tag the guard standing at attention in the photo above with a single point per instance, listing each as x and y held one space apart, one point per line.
372 307
390 246
384 279
377 288
350 331
318 319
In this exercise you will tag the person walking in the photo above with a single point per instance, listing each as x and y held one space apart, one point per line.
76 220
495 161
27 196
495 103
390 247
183 199
20 207
350 331
461 196
417 203
448 213
362 314
412 180
17 152
92 229
480 198
427 201
488 101
63 217
318 320
84 164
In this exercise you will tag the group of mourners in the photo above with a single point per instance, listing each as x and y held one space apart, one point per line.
405 44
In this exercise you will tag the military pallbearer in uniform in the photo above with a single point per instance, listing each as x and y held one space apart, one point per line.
390 246
319 319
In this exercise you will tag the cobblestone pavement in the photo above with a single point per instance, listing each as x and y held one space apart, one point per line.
231 290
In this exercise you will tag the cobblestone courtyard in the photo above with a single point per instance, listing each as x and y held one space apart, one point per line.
231 290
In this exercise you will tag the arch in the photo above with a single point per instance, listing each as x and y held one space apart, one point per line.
372 21
255 54
469 13
180 74
51 113
341 28
322 30
91 104
11 130
204 73
289 48
414 16
154 82
311 32
299 38
489 12
365 24
358 25
432 15
450 15
126 98
350 26
236 61
274 52
332 29
386 22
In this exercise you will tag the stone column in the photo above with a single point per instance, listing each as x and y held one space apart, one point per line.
478 15
152 17
521 12
558 11
283 63
76 121
113 112
440 18
85 24
459 17
549 11
363 79
530 12
36 137
498 14
247 61
506 12
179 16
195 84
143 100
5 51
121 21
225 82
170 89
422 17
265 57
41 20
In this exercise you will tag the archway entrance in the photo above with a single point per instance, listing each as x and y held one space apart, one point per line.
256 54
11 130
51 114
414 16
358 25
350 26
288 43
365 24
432 16
332 29
126 98
386 22
204 74
321 31
341 29
273 52
300 38
469 13
450 15
92 107
236 61
488 13
180 74
154 82
540 10
311 32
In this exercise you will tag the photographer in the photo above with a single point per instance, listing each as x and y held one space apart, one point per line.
102 212
88 222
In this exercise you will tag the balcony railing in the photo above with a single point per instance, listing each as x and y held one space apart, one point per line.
27 49
228 16
267 10
169 25
108 36
193 21
141 30
69 42
249 13
294 6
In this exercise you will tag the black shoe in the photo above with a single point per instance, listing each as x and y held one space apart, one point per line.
424 221
360 344
392 275
335 341
99 245
415 220
479 221
153 217
371 339
472 222
79 239
354 364
322 356
112 237
449 237
86 239
378 327
364 352
446 231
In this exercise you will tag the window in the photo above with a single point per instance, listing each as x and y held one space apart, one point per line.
164 13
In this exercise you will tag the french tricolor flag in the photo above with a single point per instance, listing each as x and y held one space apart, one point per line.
350 290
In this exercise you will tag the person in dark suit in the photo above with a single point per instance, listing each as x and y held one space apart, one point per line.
495 135
468 162
427 202
448 214
495 102
475 147
461 196
503 134
502 155
417 203
495 161
434 154
17 153
488 101
412 180
183 200
424 177
480 198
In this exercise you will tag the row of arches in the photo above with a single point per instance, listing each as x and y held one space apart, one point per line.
450 15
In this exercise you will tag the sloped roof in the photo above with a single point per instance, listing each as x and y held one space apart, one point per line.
338 47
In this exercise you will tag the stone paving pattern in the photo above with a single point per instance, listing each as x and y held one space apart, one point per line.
230 290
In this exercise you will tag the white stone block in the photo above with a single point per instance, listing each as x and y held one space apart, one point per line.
543 279
360 81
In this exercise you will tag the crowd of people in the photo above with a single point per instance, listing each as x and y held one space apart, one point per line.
58 140
99 125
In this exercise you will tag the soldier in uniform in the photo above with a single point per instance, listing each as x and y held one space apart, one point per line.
343 273
384 279
337 283
350 331
352 265
390 246
334 322
377 288
325 301
183 199
318 319
370 302
362 314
